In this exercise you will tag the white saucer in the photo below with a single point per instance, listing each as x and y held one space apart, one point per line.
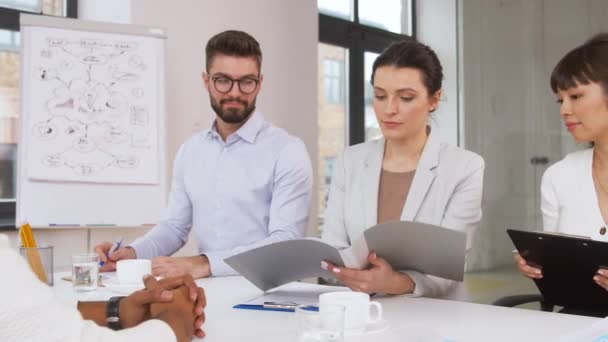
114 286
370 328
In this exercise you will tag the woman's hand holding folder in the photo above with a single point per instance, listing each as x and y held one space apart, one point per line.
378 278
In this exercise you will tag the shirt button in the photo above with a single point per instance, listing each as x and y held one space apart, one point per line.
603 231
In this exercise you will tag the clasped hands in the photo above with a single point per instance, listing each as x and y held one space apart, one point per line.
178 301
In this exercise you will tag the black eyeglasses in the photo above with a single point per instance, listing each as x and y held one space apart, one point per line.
223 84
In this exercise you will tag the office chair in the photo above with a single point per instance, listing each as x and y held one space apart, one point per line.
512 301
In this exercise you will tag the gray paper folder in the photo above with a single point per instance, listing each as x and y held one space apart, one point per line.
412 246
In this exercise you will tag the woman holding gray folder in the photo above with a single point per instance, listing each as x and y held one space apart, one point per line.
407 175
575 190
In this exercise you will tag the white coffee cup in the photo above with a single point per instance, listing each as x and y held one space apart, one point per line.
357 309
132 271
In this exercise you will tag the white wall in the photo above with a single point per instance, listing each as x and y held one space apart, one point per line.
437 26
287 32
116 11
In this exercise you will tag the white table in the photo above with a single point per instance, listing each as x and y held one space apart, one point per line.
441 319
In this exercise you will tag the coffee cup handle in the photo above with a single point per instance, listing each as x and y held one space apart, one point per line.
378 307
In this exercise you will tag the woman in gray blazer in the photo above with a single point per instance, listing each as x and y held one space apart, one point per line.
407 175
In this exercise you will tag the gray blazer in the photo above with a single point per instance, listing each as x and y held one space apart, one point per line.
446 191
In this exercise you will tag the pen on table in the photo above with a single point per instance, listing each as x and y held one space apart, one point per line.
275 305
115 246
64 225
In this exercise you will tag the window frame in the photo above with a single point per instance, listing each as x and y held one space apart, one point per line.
9 20
358 38
335 78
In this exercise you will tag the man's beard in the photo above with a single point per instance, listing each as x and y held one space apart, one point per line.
232 115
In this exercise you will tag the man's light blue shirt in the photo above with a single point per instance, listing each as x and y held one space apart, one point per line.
253 189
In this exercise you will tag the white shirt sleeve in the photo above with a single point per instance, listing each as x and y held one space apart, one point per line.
171 233
549 203
30 311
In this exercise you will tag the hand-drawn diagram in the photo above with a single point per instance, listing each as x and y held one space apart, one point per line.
93 113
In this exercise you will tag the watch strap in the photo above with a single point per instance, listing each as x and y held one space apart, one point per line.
112 313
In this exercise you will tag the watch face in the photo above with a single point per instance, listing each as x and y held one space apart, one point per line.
112 319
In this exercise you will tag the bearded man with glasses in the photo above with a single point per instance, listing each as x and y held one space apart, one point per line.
242 184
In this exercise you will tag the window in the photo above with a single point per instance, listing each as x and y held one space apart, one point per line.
9 41
333 71
328 163
372 128
351 35
332 113
9 110
336 8
390 16
23 5
48 7
9 89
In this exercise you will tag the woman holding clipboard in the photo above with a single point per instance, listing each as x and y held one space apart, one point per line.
575 190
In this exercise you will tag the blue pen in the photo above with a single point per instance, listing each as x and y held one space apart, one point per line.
115 246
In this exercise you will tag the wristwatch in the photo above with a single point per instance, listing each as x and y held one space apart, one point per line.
112 316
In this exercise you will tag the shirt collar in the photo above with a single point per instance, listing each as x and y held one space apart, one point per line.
248 132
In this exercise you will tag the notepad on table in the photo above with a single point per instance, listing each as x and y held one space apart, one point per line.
287 297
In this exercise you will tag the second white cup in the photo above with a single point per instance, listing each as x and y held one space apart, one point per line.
132 271
357 309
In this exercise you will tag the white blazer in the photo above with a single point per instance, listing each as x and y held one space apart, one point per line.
568 199
446 191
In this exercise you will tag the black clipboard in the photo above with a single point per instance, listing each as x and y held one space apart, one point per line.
568 264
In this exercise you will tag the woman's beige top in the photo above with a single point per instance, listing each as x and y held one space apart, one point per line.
393 190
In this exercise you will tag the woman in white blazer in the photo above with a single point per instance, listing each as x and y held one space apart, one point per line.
575 190
407 175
